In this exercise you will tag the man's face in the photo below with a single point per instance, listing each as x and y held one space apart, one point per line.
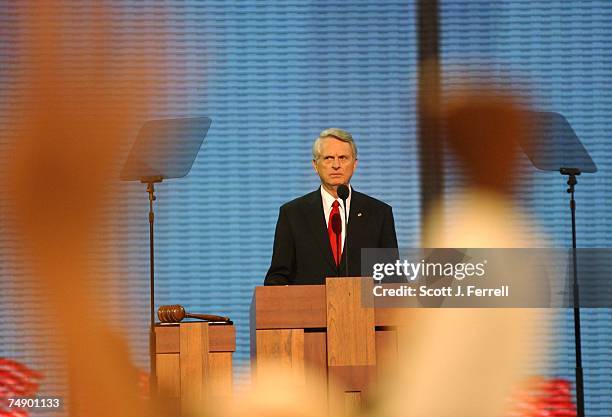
336 162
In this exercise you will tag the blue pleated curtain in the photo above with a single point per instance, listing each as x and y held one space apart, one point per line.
271 75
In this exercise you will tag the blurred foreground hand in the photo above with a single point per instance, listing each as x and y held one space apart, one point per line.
65 130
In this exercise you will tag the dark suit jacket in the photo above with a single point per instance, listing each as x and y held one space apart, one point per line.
302 254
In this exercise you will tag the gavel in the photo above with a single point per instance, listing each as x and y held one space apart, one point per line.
176 313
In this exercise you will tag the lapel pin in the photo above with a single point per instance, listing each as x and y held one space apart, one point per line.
359 214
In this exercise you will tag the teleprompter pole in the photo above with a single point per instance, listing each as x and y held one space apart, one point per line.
572 173
151 181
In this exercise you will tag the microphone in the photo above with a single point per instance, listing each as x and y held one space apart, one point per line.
176 313
343 193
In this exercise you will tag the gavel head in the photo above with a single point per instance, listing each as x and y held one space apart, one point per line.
171 314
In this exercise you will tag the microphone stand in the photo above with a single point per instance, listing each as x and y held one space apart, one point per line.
346 253
338 239
571 182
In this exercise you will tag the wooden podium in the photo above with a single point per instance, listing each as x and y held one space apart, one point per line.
194 363
326 329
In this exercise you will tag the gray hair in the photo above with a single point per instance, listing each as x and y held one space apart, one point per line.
334 132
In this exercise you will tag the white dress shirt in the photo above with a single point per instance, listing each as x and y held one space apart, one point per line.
328 201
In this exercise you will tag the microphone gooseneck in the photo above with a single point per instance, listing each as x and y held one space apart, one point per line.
343 193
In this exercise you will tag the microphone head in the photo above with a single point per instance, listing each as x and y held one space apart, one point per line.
343 192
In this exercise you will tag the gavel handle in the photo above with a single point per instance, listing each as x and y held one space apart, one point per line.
207 317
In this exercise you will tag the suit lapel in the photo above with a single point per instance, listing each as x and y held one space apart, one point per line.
358 215
318 226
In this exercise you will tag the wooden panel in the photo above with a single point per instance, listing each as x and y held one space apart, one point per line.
343 379
304 307
315 359
386 354
351 378
167 338
289 307
169 383
222 338
351 343
352 403
350 326
168 375
281 348
220 375
194 365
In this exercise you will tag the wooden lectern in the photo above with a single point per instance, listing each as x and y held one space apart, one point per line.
326 329
194 363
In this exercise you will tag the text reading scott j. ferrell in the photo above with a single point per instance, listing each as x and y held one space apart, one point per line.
448 291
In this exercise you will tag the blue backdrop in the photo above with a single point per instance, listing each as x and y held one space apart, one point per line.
271 75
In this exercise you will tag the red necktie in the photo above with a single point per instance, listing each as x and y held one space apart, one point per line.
334 229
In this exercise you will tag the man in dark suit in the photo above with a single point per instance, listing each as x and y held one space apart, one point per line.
310 242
